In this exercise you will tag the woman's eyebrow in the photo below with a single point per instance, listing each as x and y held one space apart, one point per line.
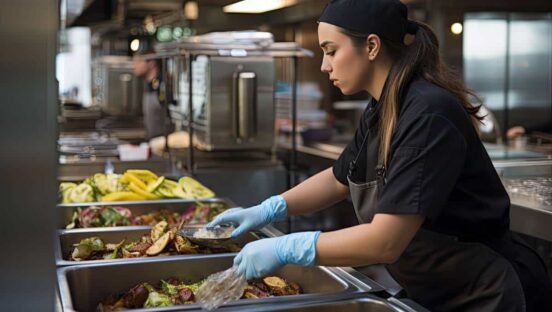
325 43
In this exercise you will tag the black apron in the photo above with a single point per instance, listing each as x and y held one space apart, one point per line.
444 273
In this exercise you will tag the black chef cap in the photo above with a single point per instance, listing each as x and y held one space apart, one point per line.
385 18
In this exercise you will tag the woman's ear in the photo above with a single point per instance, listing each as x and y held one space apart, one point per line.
373 46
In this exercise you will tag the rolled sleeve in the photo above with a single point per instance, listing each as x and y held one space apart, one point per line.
428 155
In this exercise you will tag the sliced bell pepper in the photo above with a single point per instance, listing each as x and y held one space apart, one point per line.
143 174
192 186
136 189
131 178
122 196
154 185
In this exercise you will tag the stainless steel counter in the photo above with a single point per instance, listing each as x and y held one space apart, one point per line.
528 214
332 150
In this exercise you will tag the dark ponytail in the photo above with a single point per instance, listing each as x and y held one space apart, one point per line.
421 57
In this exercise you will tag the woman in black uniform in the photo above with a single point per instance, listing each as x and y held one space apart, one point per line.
428 199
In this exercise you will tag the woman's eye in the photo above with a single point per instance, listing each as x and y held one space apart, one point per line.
330 53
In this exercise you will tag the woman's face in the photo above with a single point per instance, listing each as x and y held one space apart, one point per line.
348 66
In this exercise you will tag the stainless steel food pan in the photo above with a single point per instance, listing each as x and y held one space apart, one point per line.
67 238
83 287
137 207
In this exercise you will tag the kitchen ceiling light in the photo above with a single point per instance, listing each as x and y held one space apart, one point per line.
456 28
191 10
257 6
134 45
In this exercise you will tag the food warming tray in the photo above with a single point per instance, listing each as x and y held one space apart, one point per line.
83 287
66 239
138 207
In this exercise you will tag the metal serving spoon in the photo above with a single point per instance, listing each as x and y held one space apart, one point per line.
209 237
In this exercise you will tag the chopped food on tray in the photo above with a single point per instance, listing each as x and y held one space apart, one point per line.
175 292
162 240
133 185
108 216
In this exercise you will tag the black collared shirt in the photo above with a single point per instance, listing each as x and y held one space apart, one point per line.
438 166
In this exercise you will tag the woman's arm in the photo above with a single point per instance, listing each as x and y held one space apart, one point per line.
382 241
317 192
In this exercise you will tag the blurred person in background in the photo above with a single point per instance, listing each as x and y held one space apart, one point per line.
154 107
518 131
429 202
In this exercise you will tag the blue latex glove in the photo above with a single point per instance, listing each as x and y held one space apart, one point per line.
261 257
270 210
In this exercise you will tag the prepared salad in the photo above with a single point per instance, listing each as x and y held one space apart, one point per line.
173 291
109 216
161 241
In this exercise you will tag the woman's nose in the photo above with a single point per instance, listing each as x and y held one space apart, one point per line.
325 67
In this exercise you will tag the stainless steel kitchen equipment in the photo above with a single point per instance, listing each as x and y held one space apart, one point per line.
233 91
514 82
66 211
87 145
226 83
115 87
67 238
238 105
83 287
531 211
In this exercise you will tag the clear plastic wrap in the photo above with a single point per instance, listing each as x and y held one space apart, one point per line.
220 288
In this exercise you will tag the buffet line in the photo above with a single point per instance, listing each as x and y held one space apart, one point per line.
119 247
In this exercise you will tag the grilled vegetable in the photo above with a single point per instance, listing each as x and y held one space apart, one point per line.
156 299
81 193
86 246
185 294
172 292
184 246
158 230
122 196
253 292
195 189
134 184
114 248
113 216
155 184
158 245
136 297
142 174
140 248
138 190
274 281
107 183
66 185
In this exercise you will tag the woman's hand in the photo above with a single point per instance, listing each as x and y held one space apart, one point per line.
261 257
270 210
